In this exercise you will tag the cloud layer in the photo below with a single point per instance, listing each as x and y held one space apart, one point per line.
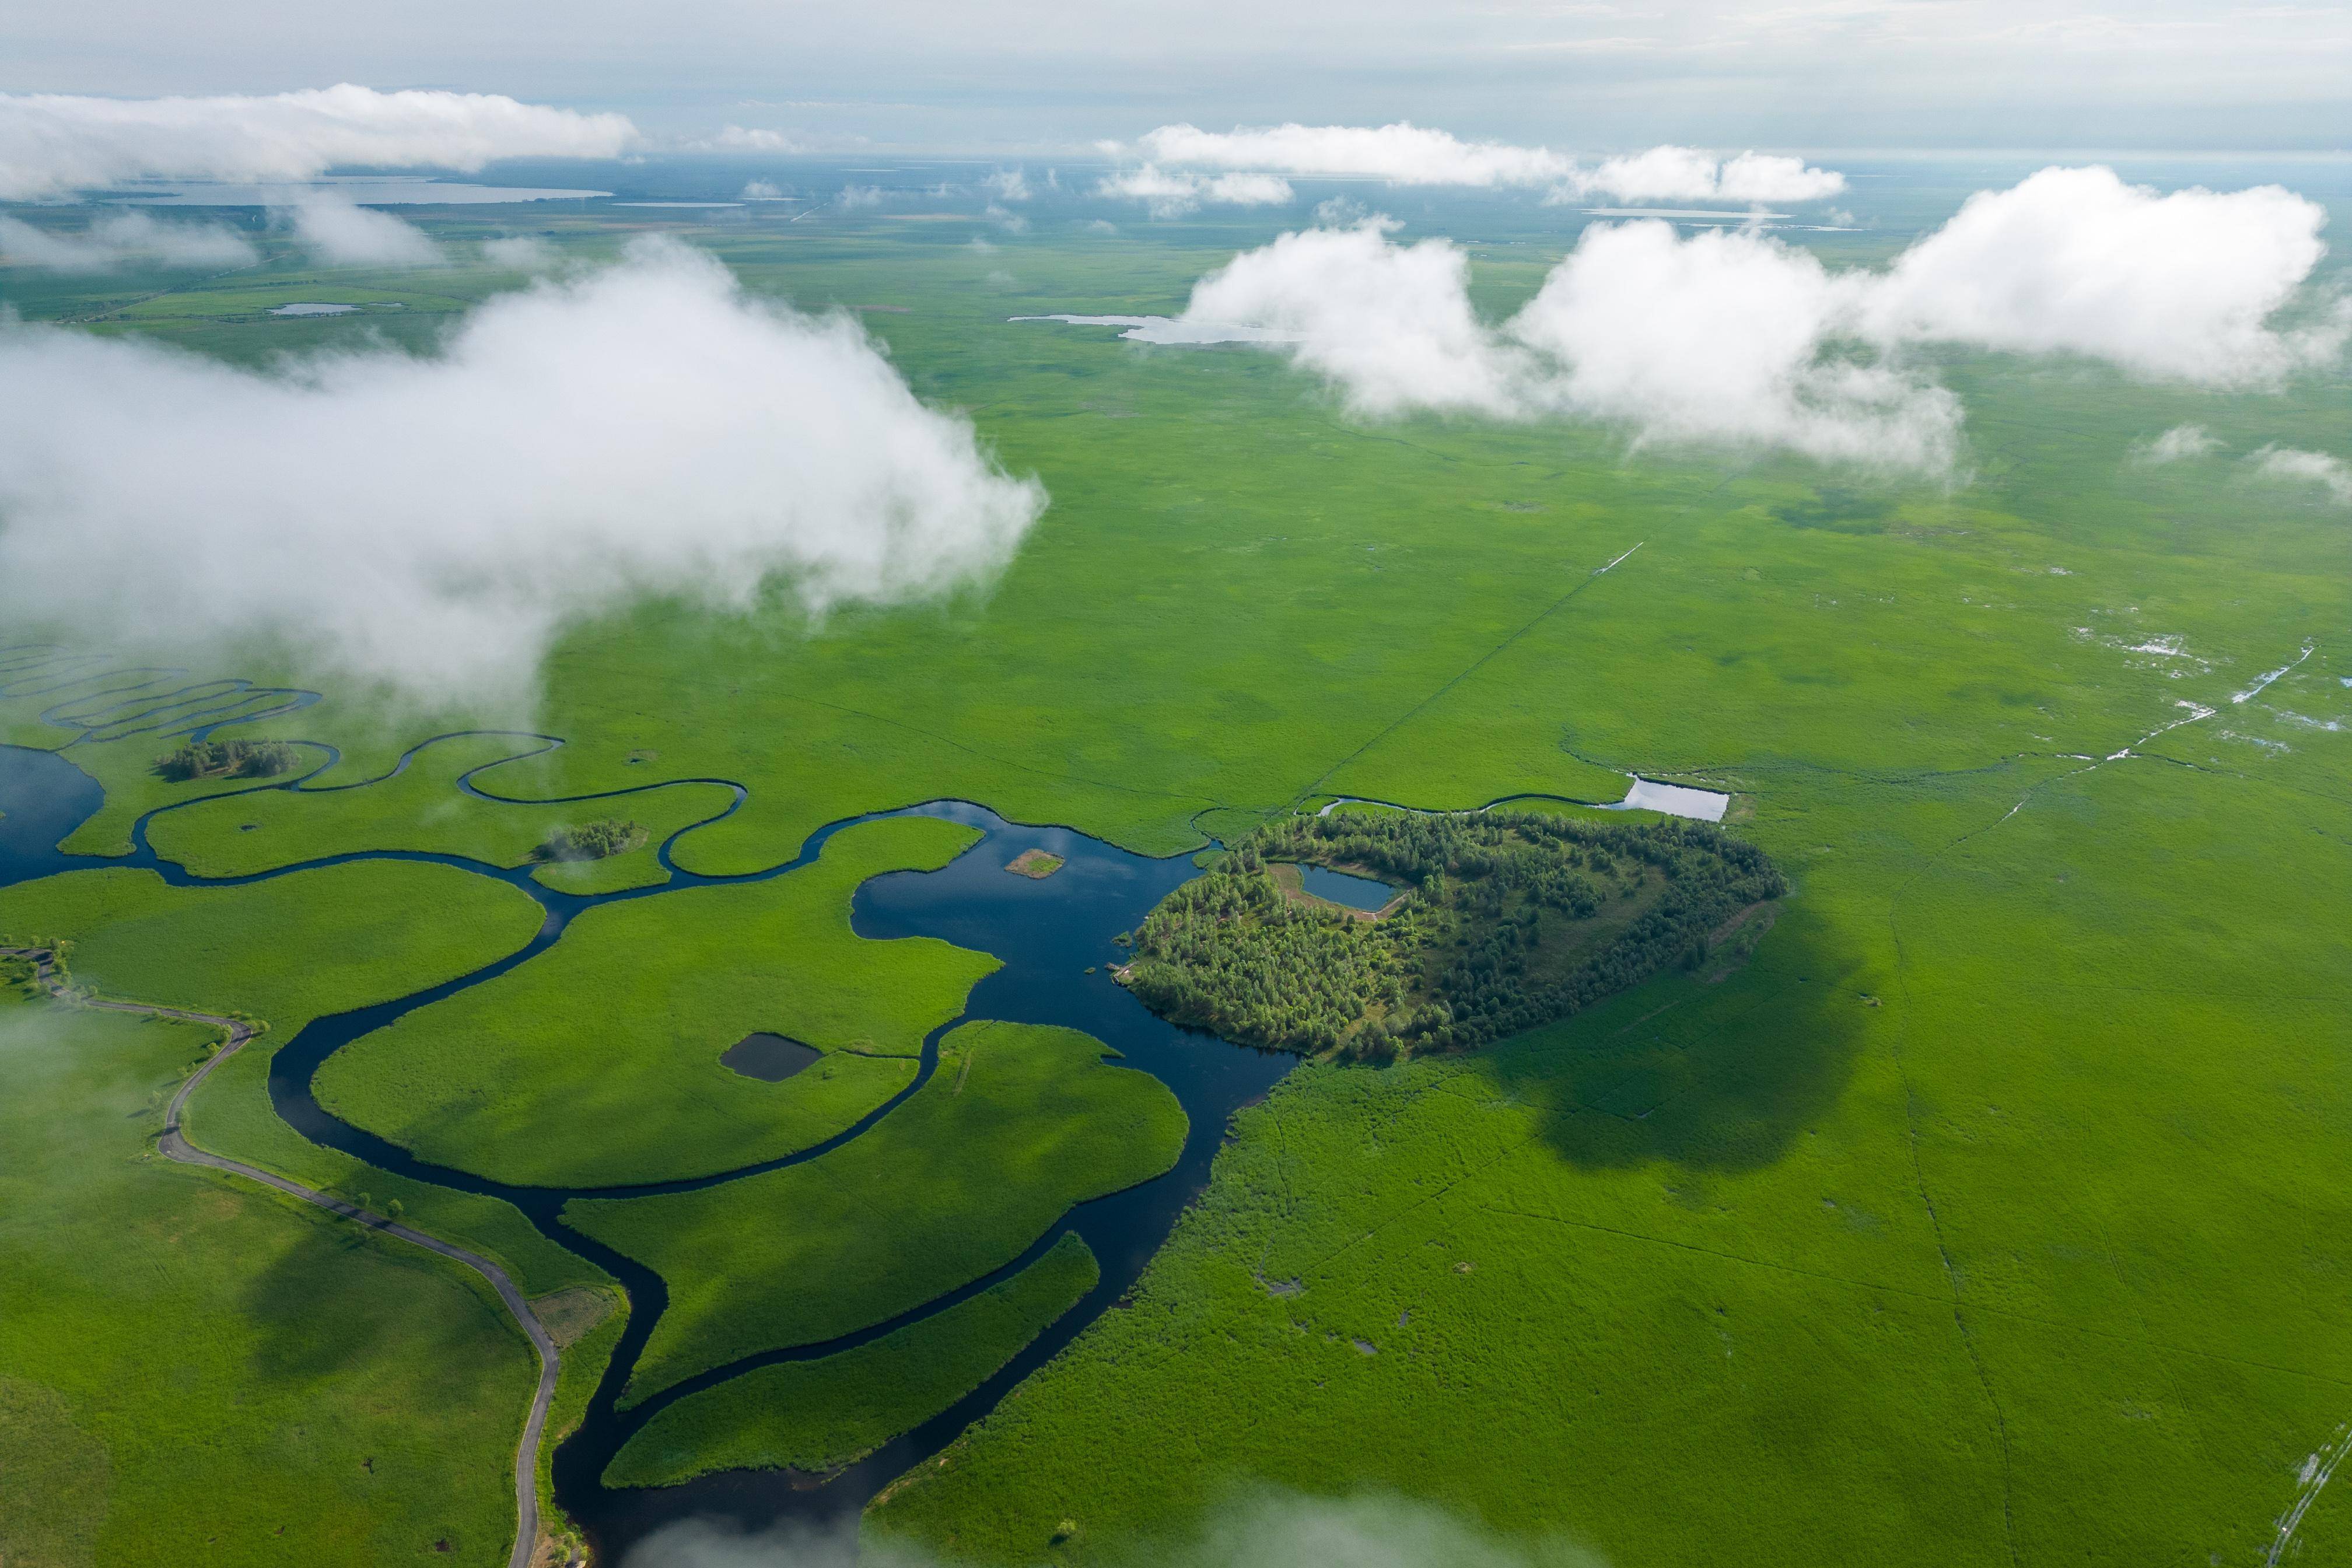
340 232
52 144
1731 337
119 240
1406 154
1173 194
434 523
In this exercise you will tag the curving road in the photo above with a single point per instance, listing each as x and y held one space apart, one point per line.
175 1146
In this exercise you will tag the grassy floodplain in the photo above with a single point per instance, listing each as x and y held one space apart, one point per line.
286 950
1018 1123
596 1064
814 1415
1989 1216
196 1371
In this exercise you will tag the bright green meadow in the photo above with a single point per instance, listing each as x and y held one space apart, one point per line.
1990 1215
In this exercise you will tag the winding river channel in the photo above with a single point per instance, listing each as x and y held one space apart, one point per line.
1048 934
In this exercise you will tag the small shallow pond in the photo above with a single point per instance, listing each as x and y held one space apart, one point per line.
1346 887
312 308
771 1059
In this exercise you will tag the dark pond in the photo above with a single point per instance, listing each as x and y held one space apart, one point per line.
1346 887
769 1057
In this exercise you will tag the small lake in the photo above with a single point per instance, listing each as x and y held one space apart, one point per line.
312 308
1346 887
771 1059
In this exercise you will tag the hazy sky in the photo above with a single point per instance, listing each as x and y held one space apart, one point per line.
1018 75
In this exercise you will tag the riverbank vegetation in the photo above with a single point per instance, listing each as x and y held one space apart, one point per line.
1018 1123
816 1416
1511 919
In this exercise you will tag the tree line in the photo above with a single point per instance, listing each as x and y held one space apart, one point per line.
1512 919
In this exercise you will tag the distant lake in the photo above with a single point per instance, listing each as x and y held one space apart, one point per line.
312 308
373 191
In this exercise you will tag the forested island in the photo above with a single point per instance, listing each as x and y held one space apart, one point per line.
591 841
227 758
1511 920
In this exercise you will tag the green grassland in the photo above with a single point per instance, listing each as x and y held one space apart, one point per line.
421 808
1988 1215
596 1064
286 950
816 1416
1018 1123
194 1370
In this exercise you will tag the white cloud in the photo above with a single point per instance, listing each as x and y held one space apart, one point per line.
2288 465
124 239
1390 325
763 191
1007 185
1689 174
1402 153
340 232
521 253
1270 1529
645 429
2178 286
1408 154
1719 339
1172 195
51 143
751 138
851 197
1731 337
2179 444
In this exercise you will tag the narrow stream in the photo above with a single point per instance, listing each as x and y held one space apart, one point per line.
1047 932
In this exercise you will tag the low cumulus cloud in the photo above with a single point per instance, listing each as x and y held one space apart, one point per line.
339 232
1408 154
53 143
1270 1531
2330 477
1735 338
120 240
432 522
1173 194
2178 445
522 253
2179 287
751 138
1007 184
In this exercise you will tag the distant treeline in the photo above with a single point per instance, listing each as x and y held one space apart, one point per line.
1514 918
591 841
228 759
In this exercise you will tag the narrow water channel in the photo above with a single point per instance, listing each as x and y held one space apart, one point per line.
1049 933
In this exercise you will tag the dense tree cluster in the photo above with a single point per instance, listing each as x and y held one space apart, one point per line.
591 841
1513 918
228 759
